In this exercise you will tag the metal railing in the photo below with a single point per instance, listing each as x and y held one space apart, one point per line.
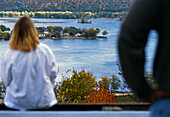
95 107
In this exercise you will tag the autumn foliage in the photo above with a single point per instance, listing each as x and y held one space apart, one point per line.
102 93
101 96
82 87
65 5
76 88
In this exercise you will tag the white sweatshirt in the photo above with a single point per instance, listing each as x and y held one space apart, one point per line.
29 78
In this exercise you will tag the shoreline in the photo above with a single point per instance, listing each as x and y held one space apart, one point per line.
35 21
97 37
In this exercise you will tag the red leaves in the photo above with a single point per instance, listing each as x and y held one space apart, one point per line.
101 96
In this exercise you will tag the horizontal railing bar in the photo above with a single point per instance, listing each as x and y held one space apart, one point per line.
94 106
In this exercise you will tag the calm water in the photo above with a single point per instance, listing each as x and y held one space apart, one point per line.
98 57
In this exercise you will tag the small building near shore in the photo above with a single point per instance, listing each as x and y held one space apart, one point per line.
65 34
77 34
41 35
46 32
8 31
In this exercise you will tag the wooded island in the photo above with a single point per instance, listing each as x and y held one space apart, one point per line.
57 32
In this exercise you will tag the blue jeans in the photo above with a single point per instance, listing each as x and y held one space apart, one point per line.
161 108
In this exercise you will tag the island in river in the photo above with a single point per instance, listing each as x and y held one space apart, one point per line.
58 32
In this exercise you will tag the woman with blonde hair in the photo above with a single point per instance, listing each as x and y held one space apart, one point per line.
28 69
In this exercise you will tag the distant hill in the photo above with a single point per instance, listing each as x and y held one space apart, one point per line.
65 5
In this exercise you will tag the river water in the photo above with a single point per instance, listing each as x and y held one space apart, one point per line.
98 57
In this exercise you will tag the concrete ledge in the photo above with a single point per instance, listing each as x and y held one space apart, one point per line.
74 113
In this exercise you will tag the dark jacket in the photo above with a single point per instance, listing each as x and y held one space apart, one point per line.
144 16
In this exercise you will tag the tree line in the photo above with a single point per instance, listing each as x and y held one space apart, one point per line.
63 15
65 5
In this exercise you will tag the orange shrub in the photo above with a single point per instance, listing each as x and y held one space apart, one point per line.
101 96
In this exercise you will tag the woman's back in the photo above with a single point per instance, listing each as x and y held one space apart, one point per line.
29 78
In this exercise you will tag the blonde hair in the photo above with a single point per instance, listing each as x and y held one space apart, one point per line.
24 36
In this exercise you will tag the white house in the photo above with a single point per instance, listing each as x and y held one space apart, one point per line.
65 34
46 32
77 34
41 35
7 31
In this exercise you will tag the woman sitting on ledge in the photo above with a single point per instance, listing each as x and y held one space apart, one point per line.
28 70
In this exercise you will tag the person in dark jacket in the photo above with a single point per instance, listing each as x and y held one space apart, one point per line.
144 16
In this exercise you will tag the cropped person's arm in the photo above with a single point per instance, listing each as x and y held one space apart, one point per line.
142 17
